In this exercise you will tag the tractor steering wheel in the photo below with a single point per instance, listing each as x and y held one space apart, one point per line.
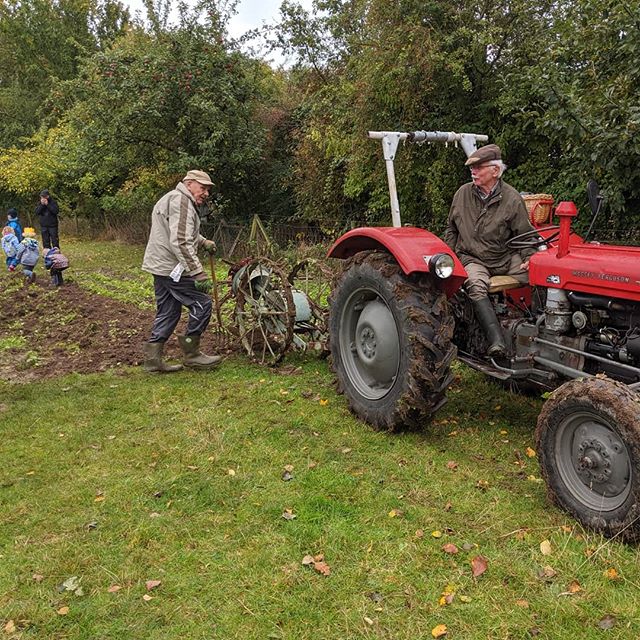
531 239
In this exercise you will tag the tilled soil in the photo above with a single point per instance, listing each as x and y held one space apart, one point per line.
46 332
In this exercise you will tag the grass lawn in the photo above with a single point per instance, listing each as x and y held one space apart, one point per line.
121 478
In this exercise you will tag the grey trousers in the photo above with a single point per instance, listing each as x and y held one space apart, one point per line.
170 298
477 284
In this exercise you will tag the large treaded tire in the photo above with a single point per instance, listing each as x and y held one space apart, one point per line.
588 441
374 306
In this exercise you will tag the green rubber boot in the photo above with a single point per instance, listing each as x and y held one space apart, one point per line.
193 357
153 362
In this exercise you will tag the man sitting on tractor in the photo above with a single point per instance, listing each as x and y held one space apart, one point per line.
484 214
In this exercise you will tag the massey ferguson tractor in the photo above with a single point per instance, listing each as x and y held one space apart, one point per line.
399 314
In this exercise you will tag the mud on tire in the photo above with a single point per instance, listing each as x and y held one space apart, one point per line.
588 441
390 341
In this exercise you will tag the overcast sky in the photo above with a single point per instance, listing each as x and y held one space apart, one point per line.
250 14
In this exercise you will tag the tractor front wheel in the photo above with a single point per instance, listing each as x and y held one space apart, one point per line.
588 440
390 340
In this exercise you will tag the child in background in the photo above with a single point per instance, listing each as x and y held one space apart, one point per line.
14 223
56 262
28 254
10 246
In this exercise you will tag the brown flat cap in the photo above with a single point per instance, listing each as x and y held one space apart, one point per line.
198 176
485 154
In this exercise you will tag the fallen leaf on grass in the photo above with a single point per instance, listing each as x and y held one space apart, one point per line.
395 513
152 584
286 476
522 603
346 450
545 548
318 563
62 611
323 403
479 565
530 452
483 485
608 622
37 577
10 627
369 621
439 631
288 467
452 465
436 534
547 573
419 533
114 588
447 596
98 498
611 574
574 587
146 597
231 472
288 514
72 584
467 546
450 548
464 598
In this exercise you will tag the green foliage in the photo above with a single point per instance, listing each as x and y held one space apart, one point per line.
111 114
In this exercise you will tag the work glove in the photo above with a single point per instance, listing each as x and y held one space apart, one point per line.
204 286
209 246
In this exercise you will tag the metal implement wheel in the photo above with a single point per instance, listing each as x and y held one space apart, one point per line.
264 311
390 339
311 283
588 439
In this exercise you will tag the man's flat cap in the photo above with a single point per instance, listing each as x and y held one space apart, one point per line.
485 154
199 176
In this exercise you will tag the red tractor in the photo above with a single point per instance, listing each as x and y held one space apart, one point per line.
399 315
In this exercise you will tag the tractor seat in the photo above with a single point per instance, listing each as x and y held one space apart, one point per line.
503 283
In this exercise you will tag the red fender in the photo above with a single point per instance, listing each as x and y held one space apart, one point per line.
412 248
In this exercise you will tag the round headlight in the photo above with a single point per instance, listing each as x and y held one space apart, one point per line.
442 265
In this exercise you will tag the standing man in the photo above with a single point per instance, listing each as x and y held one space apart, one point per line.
484 214
47 212
171 257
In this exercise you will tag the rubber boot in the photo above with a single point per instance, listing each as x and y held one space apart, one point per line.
193 357
153 362
489 322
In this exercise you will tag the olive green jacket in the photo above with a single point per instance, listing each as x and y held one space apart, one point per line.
478 229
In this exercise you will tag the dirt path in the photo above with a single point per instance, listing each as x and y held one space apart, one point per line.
47 332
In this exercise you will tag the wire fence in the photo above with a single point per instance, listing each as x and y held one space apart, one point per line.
237 241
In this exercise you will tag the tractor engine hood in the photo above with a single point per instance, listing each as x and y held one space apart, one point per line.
599 269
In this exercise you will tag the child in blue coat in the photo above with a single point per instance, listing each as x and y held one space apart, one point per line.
14 223
10 246
28 254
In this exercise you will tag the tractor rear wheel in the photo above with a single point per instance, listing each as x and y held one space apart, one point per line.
588 440
390 340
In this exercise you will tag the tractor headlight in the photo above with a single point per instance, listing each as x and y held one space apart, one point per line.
442 265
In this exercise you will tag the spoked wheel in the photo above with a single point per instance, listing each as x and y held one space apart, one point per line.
588 439
390 339
264 311
311 283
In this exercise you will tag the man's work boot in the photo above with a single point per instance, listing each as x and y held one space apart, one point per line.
193 357
489 322
153 362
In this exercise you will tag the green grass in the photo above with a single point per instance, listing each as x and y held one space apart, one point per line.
122 478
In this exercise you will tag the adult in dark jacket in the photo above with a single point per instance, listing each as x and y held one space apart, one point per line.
47 212
484 214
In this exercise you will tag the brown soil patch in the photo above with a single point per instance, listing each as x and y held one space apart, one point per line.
67 329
